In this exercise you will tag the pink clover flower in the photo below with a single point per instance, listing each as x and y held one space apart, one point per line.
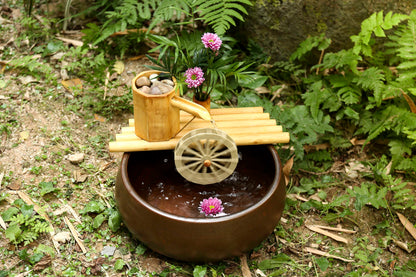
211 206
211 41
194 77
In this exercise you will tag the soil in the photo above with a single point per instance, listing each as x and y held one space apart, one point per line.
42 133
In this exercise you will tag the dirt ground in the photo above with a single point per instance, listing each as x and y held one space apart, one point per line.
49 136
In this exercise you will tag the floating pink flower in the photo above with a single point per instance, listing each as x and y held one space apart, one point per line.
211 41
194 77
211 206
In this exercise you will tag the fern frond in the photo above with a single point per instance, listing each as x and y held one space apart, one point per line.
376 24
28 237
220 14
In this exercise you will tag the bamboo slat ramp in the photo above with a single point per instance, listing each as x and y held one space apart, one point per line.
246 126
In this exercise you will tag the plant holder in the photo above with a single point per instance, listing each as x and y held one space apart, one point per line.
157 116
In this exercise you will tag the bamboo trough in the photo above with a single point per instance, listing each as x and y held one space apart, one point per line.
246 126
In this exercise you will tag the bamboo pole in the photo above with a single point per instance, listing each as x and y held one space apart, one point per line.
221 117
235 130
248 139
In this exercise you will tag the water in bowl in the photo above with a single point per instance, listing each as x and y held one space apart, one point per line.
155 179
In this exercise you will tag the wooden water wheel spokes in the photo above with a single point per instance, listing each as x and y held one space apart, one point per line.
206 156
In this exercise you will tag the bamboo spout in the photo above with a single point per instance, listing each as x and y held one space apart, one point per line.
190 107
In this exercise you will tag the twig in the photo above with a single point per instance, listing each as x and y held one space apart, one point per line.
336 229
2 223
107 77
325 254
320 60
326 233
75 235
1 178
244 266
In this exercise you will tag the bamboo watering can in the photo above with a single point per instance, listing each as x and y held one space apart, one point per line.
156 117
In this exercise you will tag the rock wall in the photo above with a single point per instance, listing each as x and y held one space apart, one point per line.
279 26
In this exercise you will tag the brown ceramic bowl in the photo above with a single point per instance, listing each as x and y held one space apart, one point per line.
160 208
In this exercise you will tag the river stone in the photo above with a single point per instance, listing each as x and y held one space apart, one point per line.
145 89
168 82
153 77
155 90
142 81
279 26
164 88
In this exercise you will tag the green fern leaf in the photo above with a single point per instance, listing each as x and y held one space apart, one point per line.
220 14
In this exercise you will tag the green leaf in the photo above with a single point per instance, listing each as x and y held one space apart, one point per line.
27 210
277 261
119 264
114 220
93 207
47 187
140 249
323 263
9 213
13 232
98 220
404 273
253 82
199 271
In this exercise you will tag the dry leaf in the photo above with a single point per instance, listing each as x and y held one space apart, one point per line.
99 118
118 67
325 254
1 178
2 67
2 223
72 85
410 102
316 147
43 263
326 233
407 224
24 135
287 168
14 186
355 141
71 41
354 167
336 229
244 266
62 237
262 90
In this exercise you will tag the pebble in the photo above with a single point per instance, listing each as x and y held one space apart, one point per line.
142 81
153 77
76 158
157 87
108 251
168 82
145 89
155 90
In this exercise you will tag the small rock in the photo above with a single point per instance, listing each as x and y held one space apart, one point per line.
155 91
27 79
145 89
164 88
142 81
153 77
117 254
62 237
108 251
168 82
76 158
